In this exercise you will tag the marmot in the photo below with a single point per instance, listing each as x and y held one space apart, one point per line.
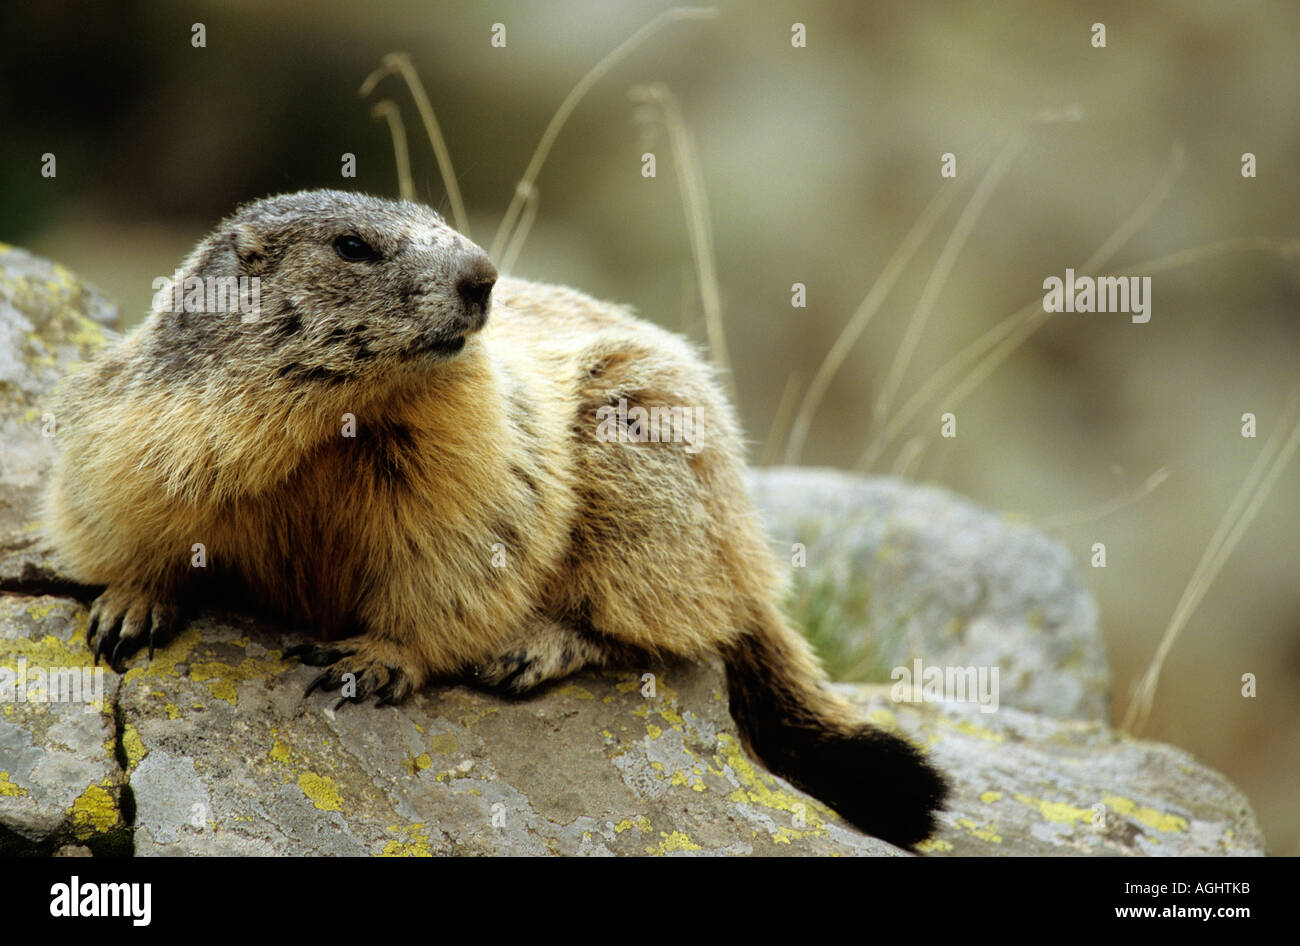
440 494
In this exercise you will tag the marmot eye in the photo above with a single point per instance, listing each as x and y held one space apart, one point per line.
354 249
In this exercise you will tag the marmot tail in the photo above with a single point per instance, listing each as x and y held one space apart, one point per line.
803 731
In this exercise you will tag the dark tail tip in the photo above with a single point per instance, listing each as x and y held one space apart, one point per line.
806 734
877 781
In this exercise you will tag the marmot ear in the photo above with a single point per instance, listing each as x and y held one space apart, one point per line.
238 251
249 250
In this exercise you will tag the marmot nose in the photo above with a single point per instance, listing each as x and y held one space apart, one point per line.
475 280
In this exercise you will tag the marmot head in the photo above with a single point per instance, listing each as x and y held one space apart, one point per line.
331 286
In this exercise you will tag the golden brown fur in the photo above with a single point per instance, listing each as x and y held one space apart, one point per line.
475 524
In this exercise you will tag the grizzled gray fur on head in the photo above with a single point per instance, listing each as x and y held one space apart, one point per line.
347 284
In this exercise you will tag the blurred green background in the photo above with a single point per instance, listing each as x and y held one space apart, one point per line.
816 163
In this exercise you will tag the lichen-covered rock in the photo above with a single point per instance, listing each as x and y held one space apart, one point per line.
60 781
49 319
224 756
894 572
1028 784
210 747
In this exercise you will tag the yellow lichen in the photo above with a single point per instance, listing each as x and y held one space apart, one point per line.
933 846
94 812
1057 810
444 744
758 792
415 845
677 841
280 752
9 787
49 651
134 746
884 719
974 729
475 709
418 763
166 660
223 677
322 790
988 833
1147 816
642 825
673 719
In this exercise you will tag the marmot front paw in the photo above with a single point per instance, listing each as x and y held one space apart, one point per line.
124 619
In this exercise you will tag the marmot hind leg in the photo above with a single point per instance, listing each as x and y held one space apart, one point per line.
362 667
544 650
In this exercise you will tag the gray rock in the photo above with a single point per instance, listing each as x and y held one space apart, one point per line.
897 572
230 759
60 781
49 318
224 756
1028 784
221 754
